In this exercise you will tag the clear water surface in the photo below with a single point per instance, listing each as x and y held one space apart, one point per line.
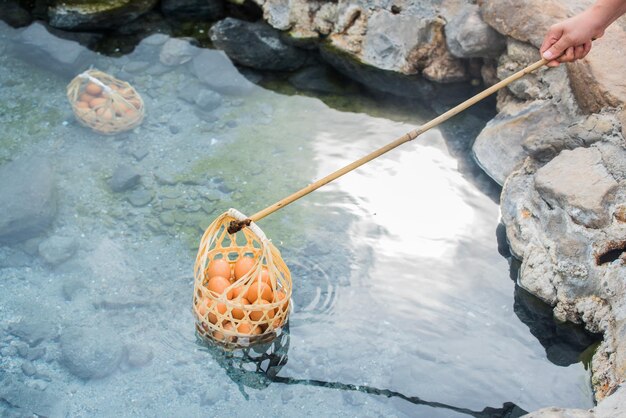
403 303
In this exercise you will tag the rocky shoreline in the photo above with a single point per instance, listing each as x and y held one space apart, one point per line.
557 144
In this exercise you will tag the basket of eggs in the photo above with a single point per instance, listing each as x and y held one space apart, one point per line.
104 103
242 286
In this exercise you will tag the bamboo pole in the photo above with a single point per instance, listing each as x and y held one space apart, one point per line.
404 138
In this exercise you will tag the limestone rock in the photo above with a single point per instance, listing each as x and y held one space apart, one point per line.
37 45
85 14
560 220
202 10
386 81
578 182
498 148
468 36
28 200
594 80
57 249
90 352
256 45
214 69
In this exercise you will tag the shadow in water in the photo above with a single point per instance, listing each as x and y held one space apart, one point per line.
258 366
565 343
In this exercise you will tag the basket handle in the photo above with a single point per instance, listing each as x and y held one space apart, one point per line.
238 225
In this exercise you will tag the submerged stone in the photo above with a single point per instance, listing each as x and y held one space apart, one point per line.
90 352
28 200
214 69
124 177
37 45
57 249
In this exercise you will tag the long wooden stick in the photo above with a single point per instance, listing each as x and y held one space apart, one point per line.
404 138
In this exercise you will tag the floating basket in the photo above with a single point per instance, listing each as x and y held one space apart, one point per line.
104 103
242 287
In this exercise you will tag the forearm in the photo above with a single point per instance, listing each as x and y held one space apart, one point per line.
607 11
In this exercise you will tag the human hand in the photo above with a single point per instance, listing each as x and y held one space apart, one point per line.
570 40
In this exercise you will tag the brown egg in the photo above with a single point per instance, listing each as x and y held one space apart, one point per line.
202 306
82 105
256 290
87 98
238 313
121 107
218 284
97 101
220 308
242 266
237 291
93 89
105 113
262 313
281 295
247 328
219 267
131 113
135 102
265 277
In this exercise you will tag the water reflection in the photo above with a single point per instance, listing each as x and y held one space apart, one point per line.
258 367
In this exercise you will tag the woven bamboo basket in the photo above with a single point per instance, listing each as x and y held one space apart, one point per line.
104 103
242 286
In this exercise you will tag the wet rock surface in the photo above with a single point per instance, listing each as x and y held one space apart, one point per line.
79 14
256 45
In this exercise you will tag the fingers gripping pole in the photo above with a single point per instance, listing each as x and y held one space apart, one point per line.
238 225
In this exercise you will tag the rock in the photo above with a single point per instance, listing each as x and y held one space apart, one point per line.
316 78
124 177
12 257
14 14
38 46
155 39
28 200
468 36
207 99
187 10
560 220
256 45
177 51
581 192
374 78
90 15
34 330
498 148
594 82
138 355
90 352
140 197
29 368
137 66
71 286
58 249
214 69
622 121
28 401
